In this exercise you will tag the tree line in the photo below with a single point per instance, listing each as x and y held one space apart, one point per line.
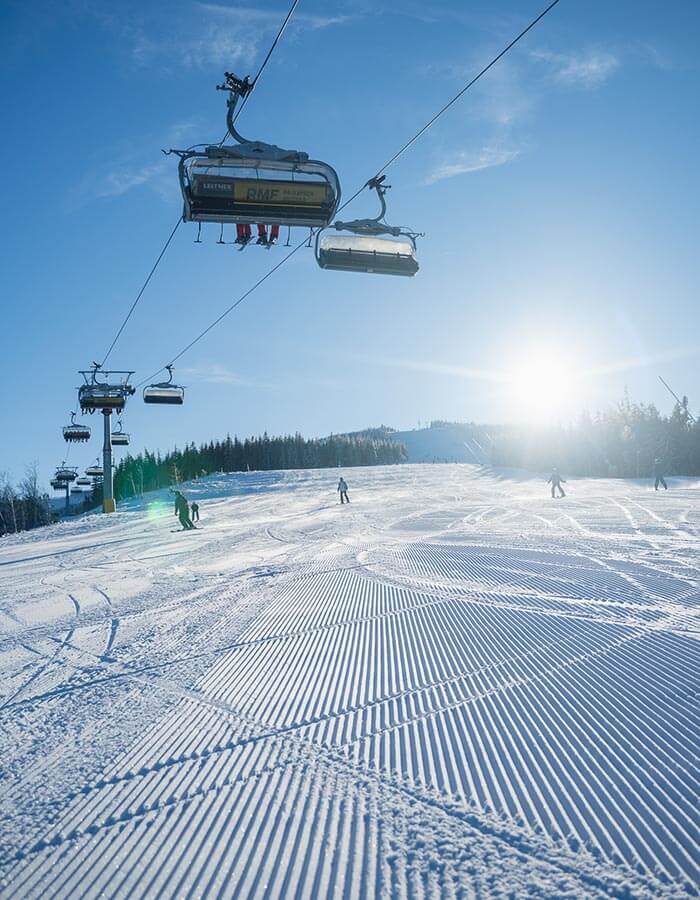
149 471
621 442
23 506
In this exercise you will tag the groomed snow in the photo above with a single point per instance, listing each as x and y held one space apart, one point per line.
454 687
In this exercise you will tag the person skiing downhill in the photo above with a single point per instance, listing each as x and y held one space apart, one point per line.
195 511
659 475
182 511
556 480
343 490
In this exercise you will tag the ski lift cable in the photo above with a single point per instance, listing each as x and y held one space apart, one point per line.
264 63
357 193
261 69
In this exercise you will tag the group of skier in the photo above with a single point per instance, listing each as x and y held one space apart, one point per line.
188 514
556 480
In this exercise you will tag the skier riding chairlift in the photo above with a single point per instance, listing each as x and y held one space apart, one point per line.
244 235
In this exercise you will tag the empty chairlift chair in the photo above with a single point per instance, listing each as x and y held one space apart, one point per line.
165 392
95 470
65 474
119 437
83 481
253 183
75 432
371 245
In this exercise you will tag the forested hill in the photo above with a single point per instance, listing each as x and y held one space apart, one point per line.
149 471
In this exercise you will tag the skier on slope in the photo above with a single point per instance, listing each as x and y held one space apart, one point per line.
659 475
556 480
343 490
182 511
195 511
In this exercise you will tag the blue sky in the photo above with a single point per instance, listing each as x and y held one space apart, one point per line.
559 200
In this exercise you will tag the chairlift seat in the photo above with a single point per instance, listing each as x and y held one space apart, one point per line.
164 394
101 396
76 433
83 481
255 191
65 475
358 253
94 471
120 439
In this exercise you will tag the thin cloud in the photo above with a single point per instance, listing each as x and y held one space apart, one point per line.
464 162
586 69
215 373
273 18
218 36
643 361
414 365
125 172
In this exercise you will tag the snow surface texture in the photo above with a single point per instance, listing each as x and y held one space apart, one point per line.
453 687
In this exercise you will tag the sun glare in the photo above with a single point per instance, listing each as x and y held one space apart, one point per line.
543 388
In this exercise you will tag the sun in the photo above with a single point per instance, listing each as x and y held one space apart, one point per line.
543 387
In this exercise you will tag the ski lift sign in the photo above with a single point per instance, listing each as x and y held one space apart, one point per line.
280 193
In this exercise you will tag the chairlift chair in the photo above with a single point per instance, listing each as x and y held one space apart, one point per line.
95 470
75 432
76 490
252 182
65 474
119 437
106 394
165 392
58 485
372 245
83 481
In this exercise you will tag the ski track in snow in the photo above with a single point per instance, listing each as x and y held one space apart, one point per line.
453 687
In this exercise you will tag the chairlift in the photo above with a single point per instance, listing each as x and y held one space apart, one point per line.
119 437
372 245
165 391
65 474
76 490
252 182
108 394
75 432
58 485
95 470
83 481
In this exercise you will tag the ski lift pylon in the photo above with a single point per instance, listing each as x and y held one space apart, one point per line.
165 392
253 182
372 245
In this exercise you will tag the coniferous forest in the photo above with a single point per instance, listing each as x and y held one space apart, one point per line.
149 471
621 442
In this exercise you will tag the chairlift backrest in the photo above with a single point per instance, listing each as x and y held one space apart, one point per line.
369 245
99 395
75 432
252 182
164 393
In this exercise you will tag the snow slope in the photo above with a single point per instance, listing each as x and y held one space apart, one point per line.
443 443
453 687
